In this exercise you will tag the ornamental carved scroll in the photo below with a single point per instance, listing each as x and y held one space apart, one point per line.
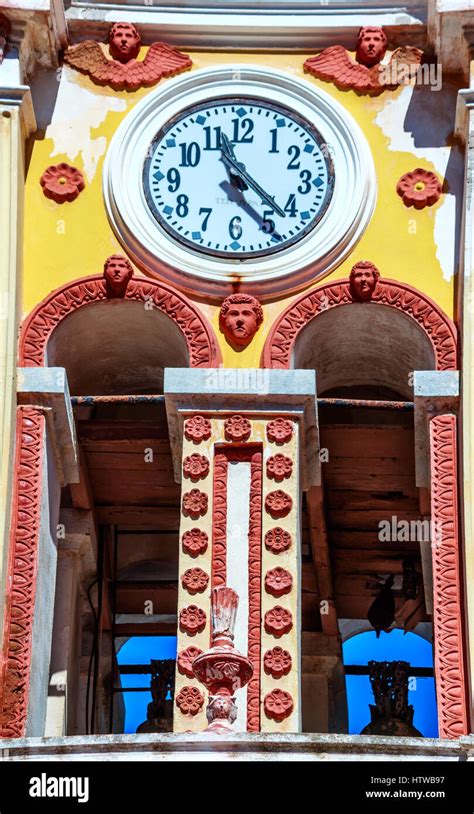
38 327
440 331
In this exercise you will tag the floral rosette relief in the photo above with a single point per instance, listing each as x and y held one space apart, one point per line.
190 700
195 466
194 503
192 620
278 621
194 542
279 467
279 431
419 188
237 428
195 580
197 429
186 658
277 662
277 540
278 503
62 183
278 581
278 704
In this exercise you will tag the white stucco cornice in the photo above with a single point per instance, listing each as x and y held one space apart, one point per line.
272 25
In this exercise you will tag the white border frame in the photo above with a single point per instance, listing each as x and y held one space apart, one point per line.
313 257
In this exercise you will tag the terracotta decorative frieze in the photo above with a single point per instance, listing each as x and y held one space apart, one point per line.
186 658
21 575
419 188
277 662
194 542
192 620
240 318
277 540
278 503
195 503
196 466
237 428
367 73
38 327
197 429
118 271
447 581
254 592
279 431
278 621
195 580
279 467
124 71
363 280
278 704
219 520
190 700
62 183
439 329
278 582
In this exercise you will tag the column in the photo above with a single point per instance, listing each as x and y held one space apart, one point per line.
16 124
245 444
436 400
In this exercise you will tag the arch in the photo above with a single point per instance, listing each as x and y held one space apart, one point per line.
36 331
425 315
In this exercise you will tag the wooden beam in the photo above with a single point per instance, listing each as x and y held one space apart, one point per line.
321 560
81 493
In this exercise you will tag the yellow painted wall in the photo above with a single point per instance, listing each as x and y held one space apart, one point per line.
69 241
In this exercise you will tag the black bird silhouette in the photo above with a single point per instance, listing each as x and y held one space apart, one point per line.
382 610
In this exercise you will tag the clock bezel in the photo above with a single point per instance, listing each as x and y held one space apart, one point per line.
234 100
312 257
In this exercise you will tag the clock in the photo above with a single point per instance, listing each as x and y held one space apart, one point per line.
195 187
238 176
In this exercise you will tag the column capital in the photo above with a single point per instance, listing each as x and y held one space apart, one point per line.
249 392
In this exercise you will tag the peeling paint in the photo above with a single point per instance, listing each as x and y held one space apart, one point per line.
76 113
410 134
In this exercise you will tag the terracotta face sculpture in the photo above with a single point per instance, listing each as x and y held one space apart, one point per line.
362 281
240 318
371 45
124 42
118 272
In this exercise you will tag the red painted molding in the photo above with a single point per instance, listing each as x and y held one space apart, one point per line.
194 542
195 580
197 429
22 571
62 183
279 467
278 704
278 581
195 466
38 327
186 658
237 428
192 620
255 579
441 332
447 610
190 700
277 662
219 520
194 503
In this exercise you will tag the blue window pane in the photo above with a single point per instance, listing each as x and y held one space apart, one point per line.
141 649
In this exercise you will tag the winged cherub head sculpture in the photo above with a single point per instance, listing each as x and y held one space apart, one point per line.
122 70
365 73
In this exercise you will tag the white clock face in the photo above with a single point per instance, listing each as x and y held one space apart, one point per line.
238 178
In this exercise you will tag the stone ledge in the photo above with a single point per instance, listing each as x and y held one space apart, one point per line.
244 746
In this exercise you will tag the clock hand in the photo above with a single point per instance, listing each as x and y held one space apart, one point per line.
240 170
228 152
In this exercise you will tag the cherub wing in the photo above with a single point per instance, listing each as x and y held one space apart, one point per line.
161 60
335 64
88 57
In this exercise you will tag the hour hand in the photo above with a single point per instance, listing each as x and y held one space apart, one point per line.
233 166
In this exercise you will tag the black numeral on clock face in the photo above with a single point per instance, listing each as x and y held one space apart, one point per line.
190 154
242 130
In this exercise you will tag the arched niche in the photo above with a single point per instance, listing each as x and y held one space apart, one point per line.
151 327
359 345
373 343
116 347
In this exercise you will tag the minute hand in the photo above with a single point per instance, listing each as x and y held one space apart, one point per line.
238 169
